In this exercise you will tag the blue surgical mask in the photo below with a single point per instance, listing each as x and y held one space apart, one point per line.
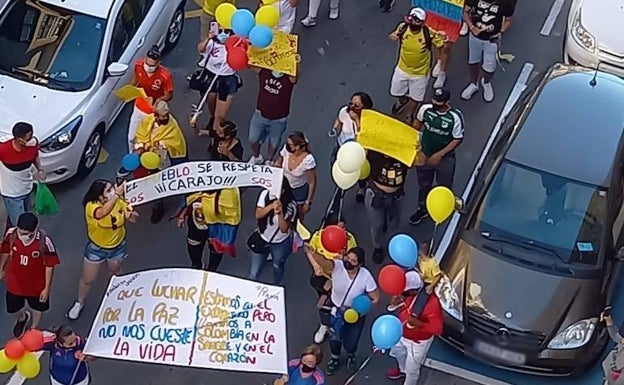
222 37
277 74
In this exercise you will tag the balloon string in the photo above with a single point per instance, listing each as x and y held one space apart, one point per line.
238 42
366 361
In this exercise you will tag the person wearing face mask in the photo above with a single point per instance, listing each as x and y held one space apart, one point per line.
27 261
106 214
156 81
350 279
442 128
68 364
18 156
268 123
209 7
228 147
411 74
305 369
347 126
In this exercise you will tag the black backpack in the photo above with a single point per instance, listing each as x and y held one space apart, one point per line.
426 32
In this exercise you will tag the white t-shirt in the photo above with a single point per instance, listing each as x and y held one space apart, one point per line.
349 127
287 16
298 176
216 55
290 213
364 283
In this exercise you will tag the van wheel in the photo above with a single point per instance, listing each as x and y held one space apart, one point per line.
91 153
174 32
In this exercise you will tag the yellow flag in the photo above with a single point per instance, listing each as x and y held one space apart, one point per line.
129 92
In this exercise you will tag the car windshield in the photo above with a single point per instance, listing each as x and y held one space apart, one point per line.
562 217
48 45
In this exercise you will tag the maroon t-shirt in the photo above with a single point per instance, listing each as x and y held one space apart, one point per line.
274 95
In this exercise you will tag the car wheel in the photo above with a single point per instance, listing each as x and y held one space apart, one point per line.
91 153
174 31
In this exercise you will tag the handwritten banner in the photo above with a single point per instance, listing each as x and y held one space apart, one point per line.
443 15
192 177
388 136
279 56
188 317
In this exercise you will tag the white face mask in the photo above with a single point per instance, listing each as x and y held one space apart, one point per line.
277 74
149 69
110 194
32 142
26 239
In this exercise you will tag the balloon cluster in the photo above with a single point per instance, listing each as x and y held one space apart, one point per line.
350 165
388 329
149 160
257 30
19 352
360 306
440 204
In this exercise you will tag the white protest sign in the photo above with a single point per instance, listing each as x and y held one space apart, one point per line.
188 317
193 177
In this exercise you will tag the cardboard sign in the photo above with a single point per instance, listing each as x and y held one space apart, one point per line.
443 15
388 136
279 56
193 318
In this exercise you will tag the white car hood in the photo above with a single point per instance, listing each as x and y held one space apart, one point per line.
604 19
46 109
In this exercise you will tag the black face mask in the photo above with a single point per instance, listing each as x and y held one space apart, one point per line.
307 369
163 122
439 107
348 265
415 27
290 149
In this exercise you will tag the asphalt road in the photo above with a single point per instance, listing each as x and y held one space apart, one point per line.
338 58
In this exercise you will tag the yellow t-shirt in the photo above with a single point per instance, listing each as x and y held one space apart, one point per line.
429 269
211 5
109 231
149 137
315 243
414 57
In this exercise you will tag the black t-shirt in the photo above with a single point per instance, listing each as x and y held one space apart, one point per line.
489 15
385 170
237 151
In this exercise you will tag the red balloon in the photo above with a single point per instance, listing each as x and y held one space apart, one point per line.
236 41
392 280
334 238
237 58
140 172
14 349
33 340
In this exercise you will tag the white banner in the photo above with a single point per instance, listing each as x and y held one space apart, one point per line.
193 177
188 317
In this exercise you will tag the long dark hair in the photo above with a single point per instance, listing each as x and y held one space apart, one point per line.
299 139
286 198
95 191
367 101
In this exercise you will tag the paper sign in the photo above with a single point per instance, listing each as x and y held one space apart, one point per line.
388 136
279 56
443 15
129 92
193 177
193 318
303 232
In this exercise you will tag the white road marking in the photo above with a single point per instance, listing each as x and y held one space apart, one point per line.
463 373
550 21
18 379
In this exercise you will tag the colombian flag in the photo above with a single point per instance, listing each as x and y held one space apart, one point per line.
443 15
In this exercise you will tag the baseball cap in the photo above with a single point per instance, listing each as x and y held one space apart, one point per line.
27 221
418 14
441 95
413 281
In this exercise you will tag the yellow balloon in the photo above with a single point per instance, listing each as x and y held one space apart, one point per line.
267 15
440 204
269 2
6 364
365 170
224 13
28 366
150 160
351 316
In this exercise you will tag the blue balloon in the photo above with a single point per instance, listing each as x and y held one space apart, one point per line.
403 250
242 22
131 162
386 331
362 304
261 36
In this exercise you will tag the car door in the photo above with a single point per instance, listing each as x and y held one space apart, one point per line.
157 17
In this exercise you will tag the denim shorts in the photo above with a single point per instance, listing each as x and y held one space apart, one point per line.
261 129
225 86
96 254
301 193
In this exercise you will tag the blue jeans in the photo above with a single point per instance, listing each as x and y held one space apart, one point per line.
16 206
279 252
261 129
349 338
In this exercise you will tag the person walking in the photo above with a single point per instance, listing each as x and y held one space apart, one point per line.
287 14
209 8
305 369
18 156
270 120
487 21
27 262
106 214
419 331
350 279
313 8
68 364
613 364
228 147
442 128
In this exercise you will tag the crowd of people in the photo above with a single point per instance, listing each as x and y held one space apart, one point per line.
212 217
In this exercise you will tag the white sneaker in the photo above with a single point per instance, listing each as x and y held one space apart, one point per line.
470 90
464 30
309 21
74 312
488 91
334 13
440 80
436 69
320 334
256 159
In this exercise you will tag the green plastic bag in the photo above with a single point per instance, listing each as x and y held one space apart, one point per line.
45 202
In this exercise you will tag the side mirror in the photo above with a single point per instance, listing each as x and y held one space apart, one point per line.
460 206
117 69
620 254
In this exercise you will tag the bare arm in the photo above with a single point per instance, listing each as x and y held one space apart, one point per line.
107 207
49 272
311 174
262 212
374 296
324 263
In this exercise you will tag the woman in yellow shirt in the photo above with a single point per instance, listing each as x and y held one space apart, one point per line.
106 214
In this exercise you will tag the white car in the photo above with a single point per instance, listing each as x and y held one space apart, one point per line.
594 35
60 60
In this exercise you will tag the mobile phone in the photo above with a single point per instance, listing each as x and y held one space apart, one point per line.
214 28
119 181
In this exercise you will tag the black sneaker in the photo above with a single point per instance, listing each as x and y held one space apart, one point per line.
122 173
351 364
22 325
418 216
397 107
332 366
388 7
378 256
359 197
158 212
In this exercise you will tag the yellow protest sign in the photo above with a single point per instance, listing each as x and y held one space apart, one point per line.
130 92
388 136
279 56
303 232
